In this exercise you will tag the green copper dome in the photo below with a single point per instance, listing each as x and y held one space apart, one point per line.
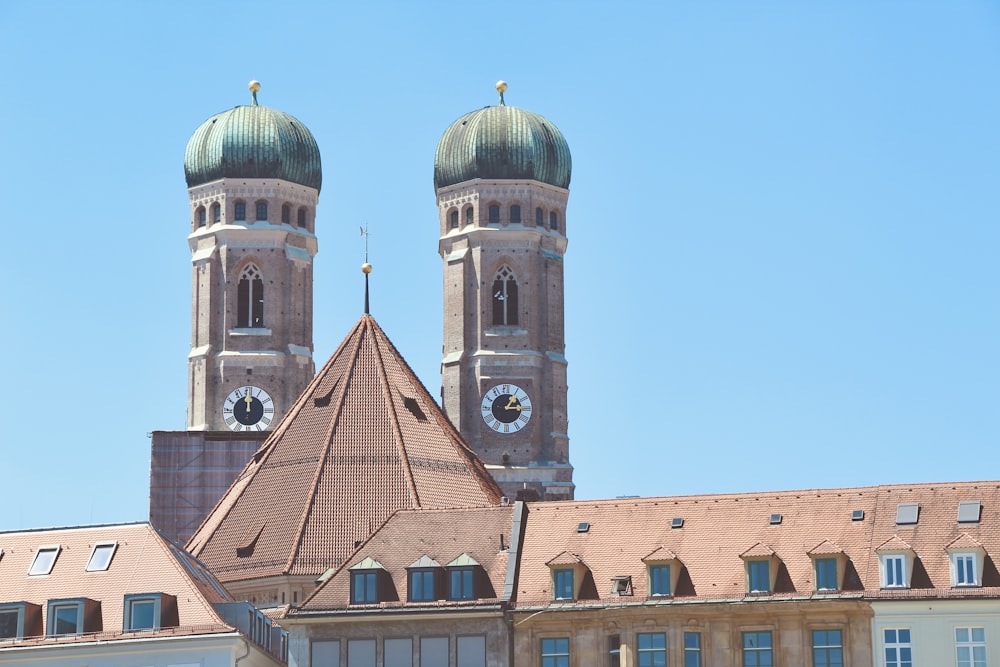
253 142
502 142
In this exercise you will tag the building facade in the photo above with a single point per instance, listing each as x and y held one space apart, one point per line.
502 175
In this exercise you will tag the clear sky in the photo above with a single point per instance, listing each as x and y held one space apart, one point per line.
783 225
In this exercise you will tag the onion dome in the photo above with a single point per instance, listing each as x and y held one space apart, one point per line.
502 142
253 142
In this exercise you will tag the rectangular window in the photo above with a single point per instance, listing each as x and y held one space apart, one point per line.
515 214
45 558
434 652
555 652
10 623
757 649
494 215
361 653
286 214
564 584
898 652
614 651
692 649
100 557
894 569
262 212
659 580
201 217
65 617
422 586
142 612
240 211
828 648
759 572
364 587
826 574
970 647
325 654
462 582
652 649
965 570
472 651
301 220
398 653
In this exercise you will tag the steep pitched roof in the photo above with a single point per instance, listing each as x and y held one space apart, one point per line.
142 561
365 439
478 535
719 529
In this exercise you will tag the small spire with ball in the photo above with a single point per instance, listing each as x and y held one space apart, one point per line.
366 268
254 86
501 88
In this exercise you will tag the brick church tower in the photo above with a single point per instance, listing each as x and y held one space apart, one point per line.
502 175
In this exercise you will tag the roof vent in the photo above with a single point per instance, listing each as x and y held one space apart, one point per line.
969 511
775 519
414 408
907 513
621 585
583 527
858 515
677 522
504 501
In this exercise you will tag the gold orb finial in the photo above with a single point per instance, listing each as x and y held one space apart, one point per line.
501 86
254 86
366 268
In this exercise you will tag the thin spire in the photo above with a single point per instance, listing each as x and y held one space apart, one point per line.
254 86
501 88
366 268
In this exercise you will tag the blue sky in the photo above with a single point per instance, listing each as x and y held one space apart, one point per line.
782 268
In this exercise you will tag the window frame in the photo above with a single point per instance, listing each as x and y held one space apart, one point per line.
18 610
260 207
553 221
494 214
647 648
240 211
659 576
563 582
515 214
38 564
614 644
894 571
754 566
421 575
249 304
52 616
825 568
970 644
758 650
505 297
128 612
971 559
301 218
825 648
898 645
692 649
370 587
466 589
453 219
215 212
555 652
201 216
102 566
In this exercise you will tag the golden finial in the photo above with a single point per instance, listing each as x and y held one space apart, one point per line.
254 86
501 88
366 268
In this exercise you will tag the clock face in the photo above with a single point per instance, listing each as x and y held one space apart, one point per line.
248 408
506 408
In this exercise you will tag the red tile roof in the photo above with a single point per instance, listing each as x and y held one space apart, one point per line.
365 439
439 534
143 562
718 529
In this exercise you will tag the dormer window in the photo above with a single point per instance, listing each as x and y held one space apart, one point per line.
423 580
45 558
663 569
366 582
568 573
19 620
965 569
100 557
829 565
759 576
826 574
73 616
659 579
462 578
966 556
895 563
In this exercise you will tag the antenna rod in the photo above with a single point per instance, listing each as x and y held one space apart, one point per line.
366 268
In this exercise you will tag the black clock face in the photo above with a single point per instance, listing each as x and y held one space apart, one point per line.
506 408
248 408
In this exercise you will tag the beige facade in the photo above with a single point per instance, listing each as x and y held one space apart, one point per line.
502 244
939 632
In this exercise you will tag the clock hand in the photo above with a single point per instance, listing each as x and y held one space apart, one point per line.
248 400
512 404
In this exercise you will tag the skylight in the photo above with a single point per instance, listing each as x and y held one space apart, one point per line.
775 519
582 527
45 558
858 515
969 511
100 558
677 522
907 513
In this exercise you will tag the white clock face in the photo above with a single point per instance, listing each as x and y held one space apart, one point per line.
506 408
248 408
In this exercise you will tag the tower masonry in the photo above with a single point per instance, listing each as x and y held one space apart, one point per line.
501 176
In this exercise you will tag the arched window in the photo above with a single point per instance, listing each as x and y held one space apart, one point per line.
240 211
454 219
201 216
216 212
515 215
539 218
302 217
250 298
504 297
286 214
262 211
494 214
553 220
468 216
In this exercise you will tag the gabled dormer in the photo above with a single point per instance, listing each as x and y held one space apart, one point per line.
761 564
465 578
568 572
895 563
829 564
663 568
966 556
370 582
424 580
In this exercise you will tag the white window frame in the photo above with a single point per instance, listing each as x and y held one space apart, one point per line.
901 572
41 566
898 646
96 564
969 645
958 561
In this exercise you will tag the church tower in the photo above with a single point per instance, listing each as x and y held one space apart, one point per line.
253 177
502 175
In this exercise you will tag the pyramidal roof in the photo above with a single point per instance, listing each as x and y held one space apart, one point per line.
364 440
